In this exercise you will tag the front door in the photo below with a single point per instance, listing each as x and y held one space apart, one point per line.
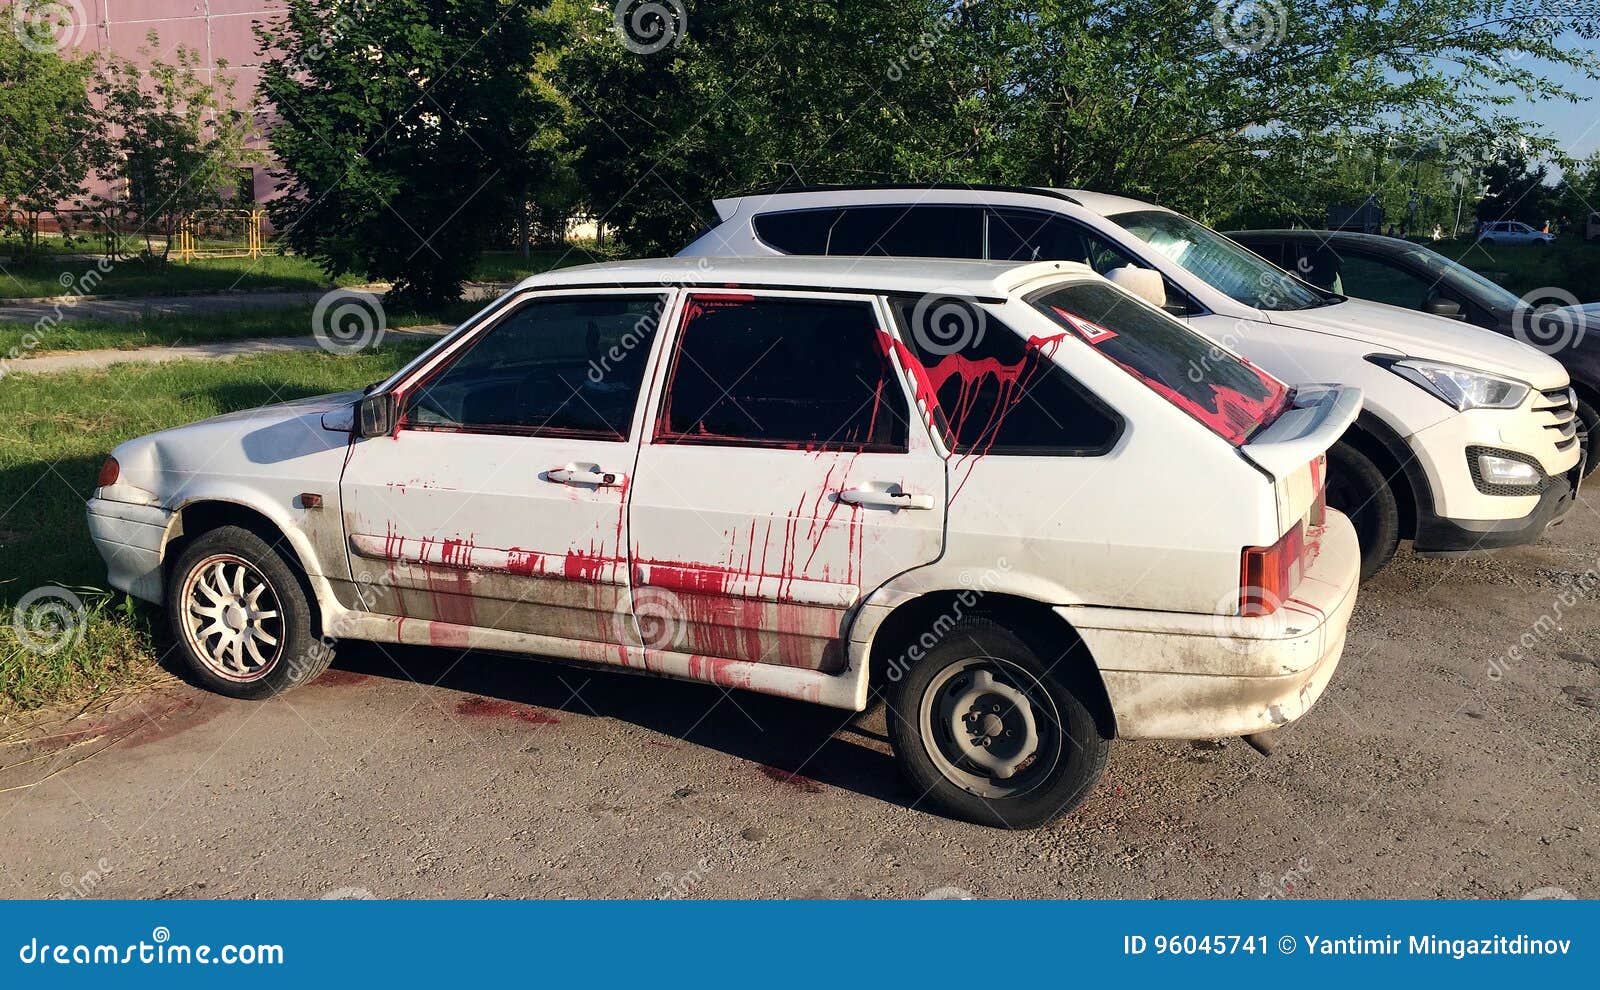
784 478
501 500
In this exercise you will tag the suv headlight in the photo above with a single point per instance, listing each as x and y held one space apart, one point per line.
1462 388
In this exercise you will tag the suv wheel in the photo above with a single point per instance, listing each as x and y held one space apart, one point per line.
1359 490
241 618
991 732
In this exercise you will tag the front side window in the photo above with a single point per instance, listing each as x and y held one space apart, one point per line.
782 372
567 367
1231 269
1229 395
990 390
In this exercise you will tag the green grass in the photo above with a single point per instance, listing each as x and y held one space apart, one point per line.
1568 264
57 429
24 341
51 276
138 277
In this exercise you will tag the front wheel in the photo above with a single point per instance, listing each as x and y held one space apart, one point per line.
991 732
1359 490
241 618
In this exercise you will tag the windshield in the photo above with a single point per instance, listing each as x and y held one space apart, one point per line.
1229 395
1488 294
1237 272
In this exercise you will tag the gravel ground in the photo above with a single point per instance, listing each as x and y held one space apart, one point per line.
414 773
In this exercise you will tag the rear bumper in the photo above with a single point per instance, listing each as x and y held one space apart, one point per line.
130 538
1184 676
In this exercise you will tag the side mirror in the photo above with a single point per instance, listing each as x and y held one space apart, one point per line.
1142 282
1440 306
376 415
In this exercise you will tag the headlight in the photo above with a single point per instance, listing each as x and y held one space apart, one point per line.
1460 387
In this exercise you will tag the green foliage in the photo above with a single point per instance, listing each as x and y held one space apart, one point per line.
50 134
405 130
179 141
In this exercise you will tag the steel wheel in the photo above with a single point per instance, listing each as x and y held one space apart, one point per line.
990 728
232 620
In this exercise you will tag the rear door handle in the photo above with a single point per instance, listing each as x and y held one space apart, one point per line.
572 475
885 500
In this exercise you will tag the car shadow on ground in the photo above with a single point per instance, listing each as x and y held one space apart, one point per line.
790 743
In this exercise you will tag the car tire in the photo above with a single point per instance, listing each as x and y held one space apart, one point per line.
1589 422
241 618
1359 490
995 731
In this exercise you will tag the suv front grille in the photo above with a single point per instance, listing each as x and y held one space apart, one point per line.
1561 406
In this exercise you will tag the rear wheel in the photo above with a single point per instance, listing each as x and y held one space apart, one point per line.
241 618
1359 490
990 732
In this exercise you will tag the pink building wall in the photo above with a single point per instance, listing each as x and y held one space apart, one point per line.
218 30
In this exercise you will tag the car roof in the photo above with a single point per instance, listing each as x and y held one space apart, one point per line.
813 197
986 280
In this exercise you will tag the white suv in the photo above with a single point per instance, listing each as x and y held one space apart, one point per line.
783 475
1468 440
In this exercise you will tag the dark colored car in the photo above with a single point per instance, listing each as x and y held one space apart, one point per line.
1412 276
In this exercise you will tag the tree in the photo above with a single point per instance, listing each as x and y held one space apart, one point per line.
50 133
404 131
1209 107
178 140
1515 189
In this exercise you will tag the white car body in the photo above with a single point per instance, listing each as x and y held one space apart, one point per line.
780 584
1426 438
1512 232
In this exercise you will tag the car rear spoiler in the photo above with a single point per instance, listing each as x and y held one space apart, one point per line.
1317 417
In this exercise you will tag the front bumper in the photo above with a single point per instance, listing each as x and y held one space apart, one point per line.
130 538
1183 676
1438 536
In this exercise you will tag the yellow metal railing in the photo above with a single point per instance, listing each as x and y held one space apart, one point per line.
189 247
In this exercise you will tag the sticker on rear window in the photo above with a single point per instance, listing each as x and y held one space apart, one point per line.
1094 333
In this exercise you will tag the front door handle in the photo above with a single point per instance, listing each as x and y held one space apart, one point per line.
885 500
573 475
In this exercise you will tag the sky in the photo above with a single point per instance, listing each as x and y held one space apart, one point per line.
1576 126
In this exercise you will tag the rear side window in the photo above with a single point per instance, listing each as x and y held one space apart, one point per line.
798 231
796 373
1228 394
909 232
993 392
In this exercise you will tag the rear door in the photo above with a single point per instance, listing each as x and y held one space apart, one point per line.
784 478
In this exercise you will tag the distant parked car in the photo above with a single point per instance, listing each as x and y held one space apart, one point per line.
1591 231
1512 232
1400 273
777 475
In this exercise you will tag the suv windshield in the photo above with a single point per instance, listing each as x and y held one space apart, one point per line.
1237 272
1229 395
1488 294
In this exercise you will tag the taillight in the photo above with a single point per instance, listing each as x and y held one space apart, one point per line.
1268 575
109 472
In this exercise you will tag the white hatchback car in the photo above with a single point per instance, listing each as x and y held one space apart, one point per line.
1468 440
784 475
